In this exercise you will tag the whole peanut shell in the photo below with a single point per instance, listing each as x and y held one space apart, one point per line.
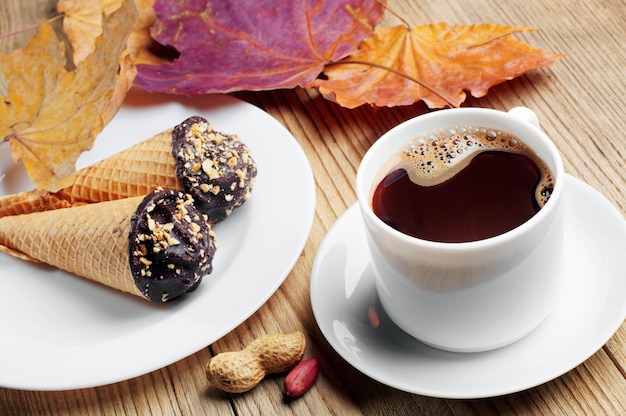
240 371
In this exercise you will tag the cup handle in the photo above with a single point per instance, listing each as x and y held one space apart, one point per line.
524 114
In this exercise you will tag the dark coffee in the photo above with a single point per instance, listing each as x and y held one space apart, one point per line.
463 184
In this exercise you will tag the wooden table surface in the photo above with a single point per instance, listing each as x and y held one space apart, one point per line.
581 105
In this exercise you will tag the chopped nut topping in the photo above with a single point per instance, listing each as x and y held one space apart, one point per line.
207 166
172 241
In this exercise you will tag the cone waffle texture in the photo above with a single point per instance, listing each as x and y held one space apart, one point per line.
135 171
89 240
33 201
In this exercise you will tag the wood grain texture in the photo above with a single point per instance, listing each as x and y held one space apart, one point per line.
580 101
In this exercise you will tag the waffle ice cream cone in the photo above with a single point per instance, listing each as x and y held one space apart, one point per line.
216 169
156 247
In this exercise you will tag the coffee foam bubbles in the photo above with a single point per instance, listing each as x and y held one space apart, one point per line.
436 156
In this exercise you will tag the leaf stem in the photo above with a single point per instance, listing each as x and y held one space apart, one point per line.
396 72
26 29
394 13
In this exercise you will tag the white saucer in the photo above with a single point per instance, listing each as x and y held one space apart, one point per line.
591 309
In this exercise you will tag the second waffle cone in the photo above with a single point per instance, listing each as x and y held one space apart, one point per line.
135 171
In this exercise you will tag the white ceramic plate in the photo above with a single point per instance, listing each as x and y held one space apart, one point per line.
590 310
63 332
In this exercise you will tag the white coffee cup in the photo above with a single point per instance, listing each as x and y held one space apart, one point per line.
471 296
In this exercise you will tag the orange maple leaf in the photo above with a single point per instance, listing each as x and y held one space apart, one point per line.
435 63
50 115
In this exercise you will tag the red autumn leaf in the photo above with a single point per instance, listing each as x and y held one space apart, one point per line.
438 63
253 45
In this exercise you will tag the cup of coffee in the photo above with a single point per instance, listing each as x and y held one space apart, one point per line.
463 216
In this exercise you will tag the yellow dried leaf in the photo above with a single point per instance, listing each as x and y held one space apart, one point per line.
83 23
51 115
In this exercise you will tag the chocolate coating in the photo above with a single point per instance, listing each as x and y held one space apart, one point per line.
217 169
171 245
